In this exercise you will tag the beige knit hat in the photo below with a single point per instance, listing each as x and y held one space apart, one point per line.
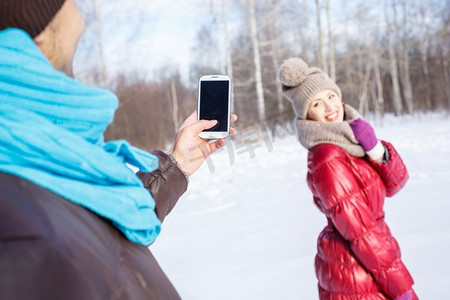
301 83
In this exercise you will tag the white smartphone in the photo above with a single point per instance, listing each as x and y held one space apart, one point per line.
214 103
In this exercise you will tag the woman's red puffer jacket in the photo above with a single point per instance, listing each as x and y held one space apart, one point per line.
357 257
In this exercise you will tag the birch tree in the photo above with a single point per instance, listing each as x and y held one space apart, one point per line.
403 55
173 90
424 46
256 60
396 97
331 44
445 64
363 102
272 52
445 36
378 100
228 51
322 56
100 44
218 34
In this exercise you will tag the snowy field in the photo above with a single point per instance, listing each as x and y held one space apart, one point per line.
247 226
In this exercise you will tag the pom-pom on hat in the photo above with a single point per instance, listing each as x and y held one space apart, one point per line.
301 83
32 16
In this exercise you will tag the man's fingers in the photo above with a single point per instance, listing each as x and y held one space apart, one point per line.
198 126
202 125
217 145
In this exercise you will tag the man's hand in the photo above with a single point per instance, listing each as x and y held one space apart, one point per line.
189 149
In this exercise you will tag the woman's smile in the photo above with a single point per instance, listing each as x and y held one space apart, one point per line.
332 117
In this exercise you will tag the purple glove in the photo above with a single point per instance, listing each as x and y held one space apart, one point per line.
364 134
405 296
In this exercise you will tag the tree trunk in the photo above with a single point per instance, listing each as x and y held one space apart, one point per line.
407 88
403 56
257 61
104 73
446 71
396 97
380 100
331 45
424 45
276 65
363 107
360 69
173 89
373 95
348 75
424 59
218 34
274 50
228 51
322 56
227 39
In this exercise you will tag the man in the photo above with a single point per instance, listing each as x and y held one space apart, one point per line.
75 221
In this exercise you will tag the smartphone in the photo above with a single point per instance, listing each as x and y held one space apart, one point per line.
214 103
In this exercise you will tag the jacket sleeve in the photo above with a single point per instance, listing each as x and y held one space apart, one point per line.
369 238
393 173
166 184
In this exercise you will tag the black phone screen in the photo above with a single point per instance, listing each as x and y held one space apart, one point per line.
214 103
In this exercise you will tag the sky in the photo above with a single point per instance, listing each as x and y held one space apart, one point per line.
142 35
148 35
157 36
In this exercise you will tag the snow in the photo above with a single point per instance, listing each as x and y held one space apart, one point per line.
248 229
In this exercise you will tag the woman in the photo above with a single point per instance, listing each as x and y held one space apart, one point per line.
350 172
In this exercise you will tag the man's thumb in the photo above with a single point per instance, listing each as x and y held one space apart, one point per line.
204 124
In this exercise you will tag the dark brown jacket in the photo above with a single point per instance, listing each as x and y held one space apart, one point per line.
51 248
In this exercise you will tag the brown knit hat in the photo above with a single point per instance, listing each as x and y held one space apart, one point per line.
32 16
301 83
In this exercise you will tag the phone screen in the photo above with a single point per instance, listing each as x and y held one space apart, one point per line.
214 103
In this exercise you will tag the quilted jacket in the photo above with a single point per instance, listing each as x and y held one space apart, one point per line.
51 248
358 258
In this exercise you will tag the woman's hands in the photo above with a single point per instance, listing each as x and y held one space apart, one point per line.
405 296
365 135
189 149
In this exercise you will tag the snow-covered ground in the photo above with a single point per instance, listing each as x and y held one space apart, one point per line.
247 226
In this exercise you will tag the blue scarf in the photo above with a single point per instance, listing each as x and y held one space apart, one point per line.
51 133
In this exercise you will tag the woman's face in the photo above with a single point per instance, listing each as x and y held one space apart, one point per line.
326 106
